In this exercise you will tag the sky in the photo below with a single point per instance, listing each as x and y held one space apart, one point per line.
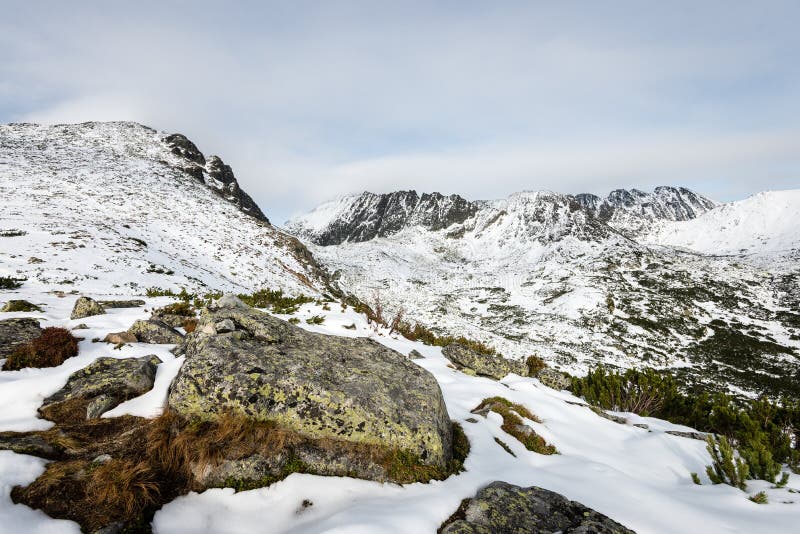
311 100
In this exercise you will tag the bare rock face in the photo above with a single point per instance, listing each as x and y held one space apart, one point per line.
322 387
105 383
502 508
86 307
17 332
473 362
553 379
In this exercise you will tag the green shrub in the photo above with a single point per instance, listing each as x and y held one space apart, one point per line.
316 319
7 282
783 481
726 467
696 479
182 308
50 349
275 300
643 392
760 498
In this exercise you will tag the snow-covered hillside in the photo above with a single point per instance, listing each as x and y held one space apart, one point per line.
539 272
119 207
765 222
638 476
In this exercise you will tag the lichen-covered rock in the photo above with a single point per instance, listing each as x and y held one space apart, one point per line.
466 360
86 307
152 331
17 332
172 319
105 383
354 390
553 379
502 508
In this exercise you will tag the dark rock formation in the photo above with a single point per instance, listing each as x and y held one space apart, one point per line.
502 508
665 203
17 332
86 307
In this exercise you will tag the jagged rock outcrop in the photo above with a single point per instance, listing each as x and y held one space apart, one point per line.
325 387
214 173
86 307
553 379
153 331
475 363
17 332
368 215
104 384
503 508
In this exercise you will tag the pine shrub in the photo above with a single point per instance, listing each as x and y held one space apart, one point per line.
726 467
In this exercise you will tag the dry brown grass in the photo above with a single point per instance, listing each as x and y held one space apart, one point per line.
514 425
190 325
124 487
50 349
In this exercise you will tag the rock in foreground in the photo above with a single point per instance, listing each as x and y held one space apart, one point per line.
104 384
503 508
323 387
86 307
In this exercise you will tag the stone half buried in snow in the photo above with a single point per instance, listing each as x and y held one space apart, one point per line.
504 508
154 331
324 387
473 362
86 307
102 385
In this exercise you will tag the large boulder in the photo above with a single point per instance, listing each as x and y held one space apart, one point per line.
473 362
353 390
17 332
502 508
154 331
86 307
104 384
135 303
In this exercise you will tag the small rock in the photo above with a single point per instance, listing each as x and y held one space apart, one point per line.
224 326
17 332
471 420
120 337
504 508
642 426
103 458
151 331
231 302
32 444
86 307
415 354
82 326
690 435
122 303
19 306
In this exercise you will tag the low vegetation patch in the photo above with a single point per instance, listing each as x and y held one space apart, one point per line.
763 434
535 364
514 425
50 349
197 299
123 469
182 308
275 300
316 319
7 282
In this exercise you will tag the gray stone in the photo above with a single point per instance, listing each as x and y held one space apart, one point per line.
86 307
120 337
136 303
502 508
27 443
229 301
415 354
151 331
106 383
172 319
689 435
553 379
15 333
497 367
20 306
349 389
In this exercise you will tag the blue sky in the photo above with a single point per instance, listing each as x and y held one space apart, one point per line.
309 100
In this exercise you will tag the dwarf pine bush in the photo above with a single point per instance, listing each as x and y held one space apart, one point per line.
726 467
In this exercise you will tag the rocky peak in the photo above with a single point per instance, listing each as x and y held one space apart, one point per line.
368 215
664 203
214 173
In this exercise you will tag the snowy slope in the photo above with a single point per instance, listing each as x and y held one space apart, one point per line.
118 207
639 477
540 273
765 222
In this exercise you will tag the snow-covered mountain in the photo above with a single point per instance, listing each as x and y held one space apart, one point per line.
579 279
119 207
